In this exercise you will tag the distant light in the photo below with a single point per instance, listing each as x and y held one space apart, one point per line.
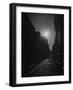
45 34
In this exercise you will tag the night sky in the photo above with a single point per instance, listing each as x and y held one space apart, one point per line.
45 25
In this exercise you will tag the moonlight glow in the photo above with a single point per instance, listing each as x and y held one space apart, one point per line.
45 34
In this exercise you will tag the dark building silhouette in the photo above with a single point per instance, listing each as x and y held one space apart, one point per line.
34 48
58 48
